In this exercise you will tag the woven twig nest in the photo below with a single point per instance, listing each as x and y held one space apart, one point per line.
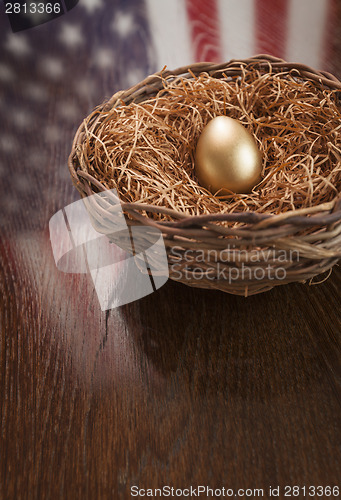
142 143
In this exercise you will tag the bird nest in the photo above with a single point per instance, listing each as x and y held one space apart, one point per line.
142 143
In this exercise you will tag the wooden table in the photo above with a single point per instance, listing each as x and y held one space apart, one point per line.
184 387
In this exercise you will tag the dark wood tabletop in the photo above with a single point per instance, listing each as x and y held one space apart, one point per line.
184 387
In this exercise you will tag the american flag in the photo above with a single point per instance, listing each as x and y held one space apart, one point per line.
220 30
51 76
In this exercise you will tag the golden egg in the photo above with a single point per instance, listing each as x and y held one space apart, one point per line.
227 157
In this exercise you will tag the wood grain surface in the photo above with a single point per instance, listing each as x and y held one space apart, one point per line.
183 387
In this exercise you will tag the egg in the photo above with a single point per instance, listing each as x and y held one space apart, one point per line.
227 157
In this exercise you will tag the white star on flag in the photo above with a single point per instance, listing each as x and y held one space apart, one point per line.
91 5
18 44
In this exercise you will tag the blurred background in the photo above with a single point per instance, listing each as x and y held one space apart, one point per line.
53 75
184 386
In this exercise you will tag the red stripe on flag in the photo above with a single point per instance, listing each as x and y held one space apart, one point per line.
331 49
271 27
205 30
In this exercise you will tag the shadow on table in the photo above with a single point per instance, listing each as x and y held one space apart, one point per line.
258 346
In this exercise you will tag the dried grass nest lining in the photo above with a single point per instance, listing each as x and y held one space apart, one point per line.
146 150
